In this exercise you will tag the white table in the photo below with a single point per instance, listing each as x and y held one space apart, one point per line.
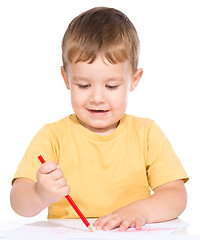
55 229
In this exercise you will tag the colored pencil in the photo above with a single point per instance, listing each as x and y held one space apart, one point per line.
72 203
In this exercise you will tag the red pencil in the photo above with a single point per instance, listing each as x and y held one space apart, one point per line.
72 203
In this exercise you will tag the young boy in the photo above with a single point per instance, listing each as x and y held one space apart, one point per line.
105 159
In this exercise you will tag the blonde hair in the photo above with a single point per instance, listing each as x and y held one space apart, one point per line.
101 30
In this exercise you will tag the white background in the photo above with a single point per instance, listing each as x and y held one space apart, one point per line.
32 92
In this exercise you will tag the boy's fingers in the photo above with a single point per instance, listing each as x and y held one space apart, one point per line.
56 174
101 222
61 182
138 225
63 191
97 221
112 223
125 224
48 167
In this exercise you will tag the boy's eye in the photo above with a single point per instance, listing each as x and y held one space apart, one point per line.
110 87
84 86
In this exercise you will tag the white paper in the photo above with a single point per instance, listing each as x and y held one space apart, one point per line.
73 229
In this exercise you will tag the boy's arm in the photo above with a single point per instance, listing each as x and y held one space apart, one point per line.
28 198
24 198
167 202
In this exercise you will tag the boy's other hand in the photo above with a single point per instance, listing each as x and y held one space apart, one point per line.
51 184
167 203
128 216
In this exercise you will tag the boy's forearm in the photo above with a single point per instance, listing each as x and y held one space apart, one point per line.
165 204
25 200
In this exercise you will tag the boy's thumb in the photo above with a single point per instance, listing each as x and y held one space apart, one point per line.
48 167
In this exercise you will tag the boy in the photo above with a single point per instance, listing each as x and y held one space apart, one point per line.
109 159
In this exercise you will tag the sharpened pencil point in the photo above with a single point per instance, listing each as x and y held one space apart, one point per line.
90 228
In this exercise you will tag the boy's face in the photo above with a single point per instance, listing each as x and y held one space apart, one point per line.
99 92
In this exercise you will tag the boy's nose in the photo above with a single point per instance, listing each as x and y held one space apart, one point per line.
97 96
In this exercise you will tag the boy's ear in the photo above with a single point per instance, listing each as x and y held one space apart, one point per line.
136 78
65 77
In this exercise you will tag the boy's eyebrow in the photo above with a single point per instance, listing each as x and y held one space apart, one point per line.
77 78
118 79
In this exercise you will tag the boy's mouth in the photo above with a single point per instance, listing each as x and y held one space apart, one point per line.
94 110
98 112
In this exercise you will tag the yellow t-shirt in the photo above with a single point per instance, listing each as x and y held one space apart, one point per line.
104 172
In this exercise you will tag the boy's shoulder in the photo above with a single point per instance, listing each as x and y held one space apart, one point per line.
57 127
139 122
59 123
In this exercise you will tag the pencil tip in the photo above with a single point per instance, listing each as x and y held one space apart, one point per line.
90 228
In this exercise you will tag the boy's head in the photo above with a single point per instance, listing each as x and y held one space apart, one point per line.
100 56
104 31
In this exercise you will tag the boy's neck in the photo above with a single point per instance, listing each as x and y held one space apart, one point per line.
100 131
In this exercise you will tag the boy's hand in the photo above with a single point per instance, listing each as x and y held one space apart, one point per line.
128 216
51 185
167 203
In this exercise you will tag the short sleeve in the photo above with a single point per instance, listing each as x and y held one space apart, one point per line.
162 164
44 143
